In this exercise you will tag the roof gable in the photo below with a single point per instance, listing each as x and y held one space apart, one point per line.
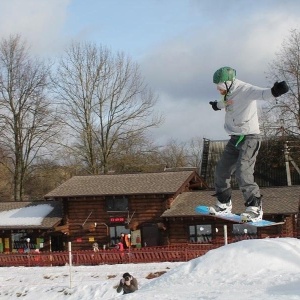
124 184
277 200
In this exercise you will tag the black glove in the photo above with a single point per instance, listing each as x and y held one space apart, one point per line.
214 105
279 88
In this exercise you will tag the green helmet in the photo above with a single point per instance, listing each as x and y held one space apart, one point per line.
224 74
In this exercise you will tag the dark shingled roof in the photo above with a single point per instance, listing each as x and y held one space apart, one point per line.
122 184
49 221
276 200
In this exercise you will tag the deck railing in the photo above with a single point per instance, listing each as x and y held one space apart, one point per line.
112 256
172 253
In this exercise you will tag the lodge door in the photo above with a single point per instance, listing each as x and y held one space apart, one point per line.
57 243
150 235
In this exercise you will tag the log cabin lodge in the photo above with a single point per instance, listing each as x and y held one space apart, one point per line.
156 209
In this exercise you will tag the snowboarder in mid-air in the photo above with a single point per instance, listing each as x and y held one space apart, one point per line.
242 125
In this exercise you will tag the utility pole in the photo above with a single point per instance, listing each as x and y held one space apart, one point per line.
287 164
291 160
286 154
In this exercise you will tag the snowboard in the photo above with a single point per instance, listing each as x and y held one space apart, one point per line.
204 210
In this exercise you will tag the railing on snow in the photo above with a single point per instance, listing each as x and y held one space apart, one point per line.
172 253
89 257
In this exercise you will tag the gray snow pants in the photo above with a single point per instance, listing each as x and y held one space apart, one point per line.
239 158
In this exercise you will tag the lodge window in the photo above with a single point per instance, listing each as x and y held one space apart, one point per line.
116 204
115 234
244 231
200 233
20 243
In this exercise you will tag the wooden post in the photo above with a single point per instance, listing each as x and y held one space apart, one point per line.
70 262
225 235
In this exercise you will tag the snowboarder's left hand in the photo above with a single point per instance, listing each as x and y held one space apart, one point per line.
279 88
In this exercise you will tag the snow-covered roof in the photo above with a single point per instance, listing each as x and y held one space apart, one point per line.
44 214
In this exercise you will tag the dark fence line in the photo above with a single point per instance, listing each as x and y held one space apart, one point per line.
171 253
89 257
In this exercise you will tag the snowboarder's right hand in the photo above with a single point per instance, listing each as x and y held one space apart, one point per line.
214 105
279 88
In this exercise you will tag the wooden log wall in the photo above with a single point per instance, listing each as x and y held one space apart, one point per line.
82 213
178 229
290 228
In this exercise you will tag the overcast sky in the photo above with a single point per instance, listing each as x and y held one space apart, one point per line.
178 44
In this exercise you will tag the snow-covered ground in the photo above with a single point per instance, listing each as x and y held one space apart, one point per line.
251 269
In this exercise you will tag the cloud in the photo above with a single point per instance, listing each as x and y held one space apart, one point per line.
39 22
186 119
183 66
182 45
181 69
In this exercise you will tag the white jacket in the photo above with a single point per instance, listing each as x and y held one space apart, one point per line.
241 109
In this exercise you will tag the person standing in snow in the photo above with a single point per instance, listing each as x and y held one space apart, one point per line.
242 125
128 284
96 247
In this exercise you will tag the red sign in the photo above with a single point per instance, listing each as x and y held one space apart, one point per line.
117 220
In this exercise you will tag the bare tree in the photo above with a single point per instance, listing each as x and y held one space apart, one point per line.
104 100
182 155
195 152
27 123
286 66
136 155
174 154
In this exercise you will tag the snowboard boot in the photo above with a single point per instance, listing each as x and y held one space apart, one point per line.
221 208
253 210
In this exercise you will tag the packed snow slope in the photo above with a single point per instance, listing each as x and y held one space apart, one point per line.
251 269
